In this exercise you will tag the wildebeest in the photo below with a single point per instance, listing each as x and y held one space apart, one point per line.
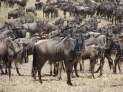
20 55
16 13
34 27
7 53
53 50
119 56
22 3
94 47
39 5
50 10
31 10
13 23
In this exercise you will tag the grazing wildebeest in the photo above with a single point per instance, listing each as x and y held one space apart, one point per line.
13 23
54 50
59 22
49 27
16 13
34 27
21 2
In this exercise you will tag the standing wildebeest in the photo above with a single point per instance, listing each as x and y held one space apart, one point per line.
39 5
119 56
54 50
20 55
93 50
118 14
31 10
50 10
6 52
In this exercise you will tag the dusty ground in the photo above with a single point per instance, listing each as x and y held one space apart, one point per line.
107 83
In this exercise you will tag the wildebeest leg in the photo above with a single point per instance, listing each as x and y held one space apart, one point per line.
16 66
63 66
92 65
64 14
9 66
50 68
43 14
56 64
6 72
101 66
110 61
82 66
34 72
69 66
39 67
98 68
75 67
115 65
60 70
119 66
39 75
1 68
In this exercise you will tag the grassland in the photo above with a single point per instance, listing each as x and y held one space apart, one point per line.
109 82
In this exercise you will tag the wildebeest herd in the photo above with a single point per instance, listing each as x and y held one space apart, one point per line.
64 43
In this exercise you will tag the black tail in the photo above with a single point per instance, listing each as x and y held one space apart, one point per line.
34 64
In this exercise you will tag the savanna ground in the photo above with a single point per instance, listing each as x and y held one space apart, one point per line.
109 82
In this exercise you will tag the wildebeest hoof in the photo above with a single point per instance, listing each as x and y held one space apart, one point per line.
20 75
96 71
51 74
100 75
77 75
59 78
93 77
54 75
114 72
69 83
40 81
2 73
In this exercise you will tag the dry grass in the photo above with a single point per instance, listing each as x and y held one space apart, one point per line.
107 83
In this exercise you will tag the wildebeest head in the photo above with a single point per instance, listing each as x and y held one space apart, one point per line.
69 43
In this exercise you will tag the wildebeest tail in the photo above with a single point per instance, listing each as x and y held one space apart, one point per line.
34 64
34 56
